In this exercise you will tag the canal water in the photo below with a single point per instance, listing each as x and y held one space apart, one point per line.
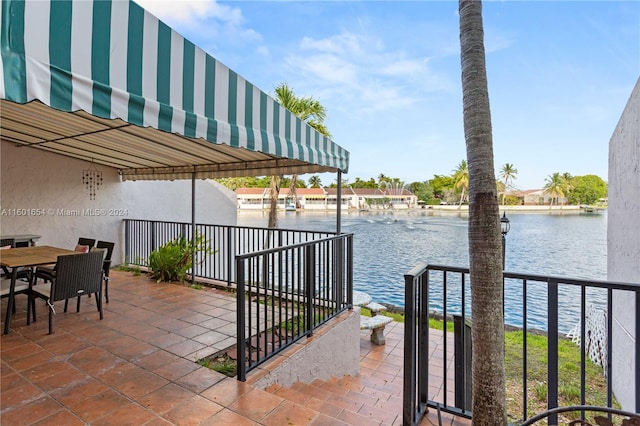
388 244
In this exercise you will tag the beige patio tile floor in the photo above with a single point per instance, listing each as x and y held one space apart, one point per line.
136 367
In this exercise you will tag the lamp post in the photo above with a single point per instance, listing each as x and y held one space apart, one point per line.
504 228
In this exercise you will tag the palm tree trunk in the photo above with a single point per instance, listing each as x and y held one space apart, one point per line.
292 189
273 207
485 246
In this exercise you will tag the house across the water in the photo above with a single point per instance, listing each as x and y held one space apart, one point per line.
327 199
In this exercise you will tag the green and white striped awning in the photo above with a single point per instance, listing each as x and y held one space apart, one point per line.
106 81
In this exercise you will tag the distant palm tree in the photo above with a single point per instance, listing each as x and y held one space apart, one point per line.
508 175
568 183
314 181
313 113
461 179
555 186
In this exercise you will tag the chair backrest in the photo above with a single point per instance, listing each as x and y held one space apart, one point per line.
77 274
6 242
106 245
86 242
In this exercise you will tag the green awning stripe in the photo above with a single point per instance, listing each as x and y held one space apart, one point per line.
134 65
163 74
60 55
14 83
134 49
165 117
232 108
248 115
190 122
163 77
209 87
188 72
276 127
212 129
135 108
232 104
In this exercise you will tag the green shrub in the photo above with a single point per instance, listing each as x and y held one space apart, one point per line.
172 261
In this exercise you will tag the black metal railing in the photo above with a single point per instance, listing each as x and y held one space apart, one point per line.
288 282
144 236
284 293
547 303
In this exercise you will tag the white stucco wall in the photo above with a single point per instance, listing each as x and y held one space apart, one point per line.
49 189
623 243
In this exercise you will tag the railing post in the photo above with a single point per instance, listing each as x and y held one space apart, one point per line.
462 353
416 341
240 318
152 225
552 349
230 256
350 271
409 363
127 243
339 267
309 280
423 338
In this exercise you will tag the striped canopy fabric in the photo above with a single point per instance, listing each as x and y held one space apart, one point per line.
106 81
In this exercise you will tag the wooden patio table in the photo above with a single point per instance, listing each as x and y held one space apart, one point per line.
17 258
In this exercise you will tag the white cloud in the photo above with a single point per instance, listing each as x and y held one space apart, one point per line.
325 67
191 11
362 72
215 26
341 44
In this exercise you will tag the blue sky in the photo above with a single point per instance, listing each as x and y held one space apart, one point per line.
388 72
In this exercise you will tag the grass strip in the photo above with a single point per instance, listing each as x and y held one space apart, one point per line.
568 372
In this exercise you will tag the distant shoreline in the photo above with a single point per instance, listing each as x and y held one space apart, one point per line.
524 209
444 209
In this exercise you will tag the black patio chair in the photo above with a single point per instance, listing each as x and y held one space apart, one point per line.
21 287
47 272
90 242
6 244
76 274
625 417
106 249
22 279
106 266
